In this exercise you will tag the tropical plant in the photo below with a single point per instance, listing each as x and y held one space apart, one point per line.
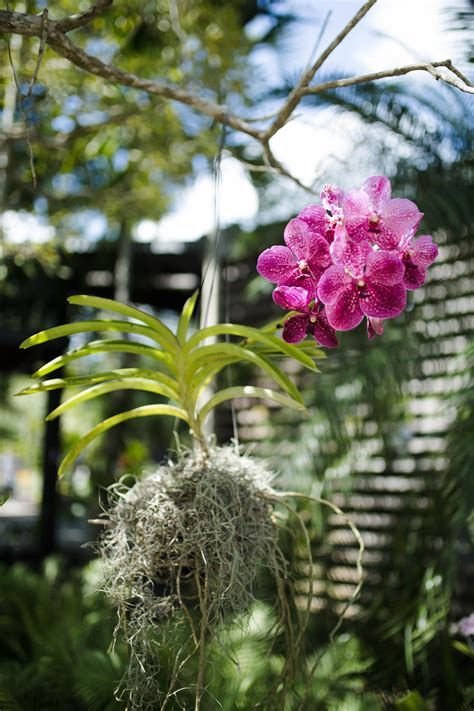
185 366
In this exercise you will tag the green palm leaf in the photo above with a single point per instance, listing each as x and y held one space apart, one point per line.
97 325
155 324
248 391
252 334
108 387
143 411
104 346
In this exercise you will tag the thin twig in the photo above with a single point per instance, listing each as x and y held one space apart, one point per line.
83 18
396 72
23 116
42 47
295 96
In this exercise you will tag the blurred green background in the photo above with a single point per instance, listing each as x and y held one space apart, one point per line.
127 205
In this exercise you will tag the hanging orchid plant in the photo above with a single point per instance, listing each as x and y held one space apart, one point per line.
184 544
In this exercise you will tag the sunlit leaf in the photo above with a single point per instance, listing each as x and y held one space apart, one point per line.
4 498
186 316
97 325
166 335
248 391
104 346
205 354
118 374
144 411
108 387
251 334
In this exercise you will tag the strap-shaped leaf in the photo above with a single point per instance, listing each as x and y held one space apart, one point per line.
205 354
117 307
186 316
144 411
111 386
248 391
252 334
118 374
104 346
97 325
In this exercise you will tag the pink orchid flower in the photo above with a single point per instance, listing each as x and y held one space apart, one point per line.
301 262
375 327
417 256
371 214
310 320
376 290
317 217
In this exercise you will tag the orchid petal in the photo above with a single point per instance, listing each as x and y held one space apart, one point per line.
317 253
356 207
316 218
382 301
344 312
297 234
348 253
415 276
294 330
276 264
332 283
379 190
332 197
384 268
375 327
323 332
292 298
398 217
425 251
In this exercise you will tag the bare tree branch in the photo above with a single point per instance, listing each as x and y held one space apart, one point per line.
432 68
53 33
31 25
295 96
83 18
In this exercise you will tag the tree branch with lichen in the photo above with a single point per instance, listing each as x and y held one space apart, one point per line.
54 34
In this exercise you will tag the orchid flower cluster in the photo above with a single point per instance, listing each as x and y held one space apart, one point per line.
352 257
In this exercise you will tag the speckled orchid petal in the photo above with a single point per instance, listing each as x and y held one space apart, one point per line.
415 276
348 253
378 189
318 256
425 251
297 234
397 218
316 218
375 327
292 298
332 197
344 312
323 332
385 268
356 207
382 301
333 281
294 330
276 264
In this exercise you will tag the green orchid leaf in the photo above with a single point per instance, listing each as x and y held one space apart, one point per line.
186 316
97 302
97 325
119 374
4 498
111 386
104 346
248 391
253 334
205 354
144 411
